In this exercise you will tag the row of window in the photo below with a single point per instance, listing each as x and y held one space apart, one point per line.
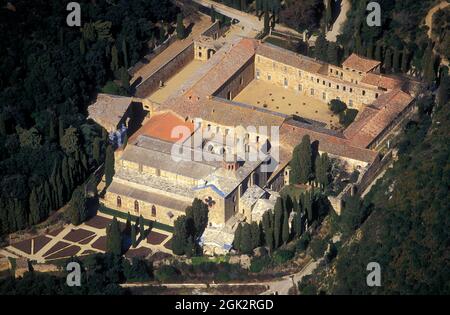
136 206
338 87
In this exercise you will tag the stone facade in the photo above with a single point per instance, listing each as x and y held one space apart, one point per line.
328 84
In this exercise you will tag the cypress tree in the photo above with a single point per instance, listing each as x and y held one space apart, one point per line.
321 48
179 239
388 61
114 58
181 32
305 158
266 21
141 226
114 238
60 129
125 78
377 54
237 237
396 60
285 230
125 53
109 165
328 14
430 71
277 224
34 208
405 59
268 229
294 175
333 53
96 150
246 239
128 224
370 50
133 236
256 240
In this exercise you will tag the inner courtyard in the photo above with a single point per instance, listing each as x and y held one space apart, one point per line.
286 101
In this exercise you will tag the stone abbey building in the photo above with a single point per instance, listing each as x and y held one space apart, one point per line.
149 182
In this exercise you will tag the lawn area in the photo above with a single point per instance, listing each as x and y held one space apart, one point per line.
204 259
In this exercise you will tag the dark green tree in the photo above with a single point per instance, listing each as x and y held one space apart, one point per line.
109 165
114 238
278 222
133 236
198 212
285 229
388 61
237 237
181 31
256 235
305 160
405 60
246 239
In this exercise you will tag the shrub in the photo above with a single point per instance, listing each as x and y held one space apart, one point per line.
303 243
167 273
282 255
347 117
337 106
318 248
260 263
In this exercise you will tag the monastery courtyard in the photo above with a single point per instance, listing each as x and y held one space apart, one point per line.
174 83
279 99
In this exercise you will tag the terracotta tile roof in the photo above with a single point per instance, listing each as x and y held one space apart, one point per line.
382 81
108 110
360 63
290 58
230 62
375 118
292 134
160 126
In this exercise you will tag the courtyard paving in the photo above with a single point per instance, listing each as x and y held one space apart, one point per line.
85 239
279 99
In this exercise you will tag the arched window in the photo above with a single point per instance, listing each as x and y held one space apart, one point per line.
119 202
136 206
153 211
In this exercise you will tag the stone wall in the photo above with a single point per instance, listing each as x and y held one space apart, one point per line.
165 72
237 82
320 86
145 209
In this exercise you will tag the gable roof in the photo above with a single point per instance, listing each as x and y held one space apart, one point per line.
382 81
359 63
161 126
375 118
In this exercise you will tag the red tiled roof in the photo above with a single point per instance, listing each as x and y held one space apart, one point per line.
376 117
290 58
382 81
360 63
291 135
160 126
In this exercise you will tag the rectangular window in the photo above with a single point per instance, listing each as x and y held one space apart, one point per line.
286 83
269 77
350 103
300 74
324 96
257 73
300 88
312 91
